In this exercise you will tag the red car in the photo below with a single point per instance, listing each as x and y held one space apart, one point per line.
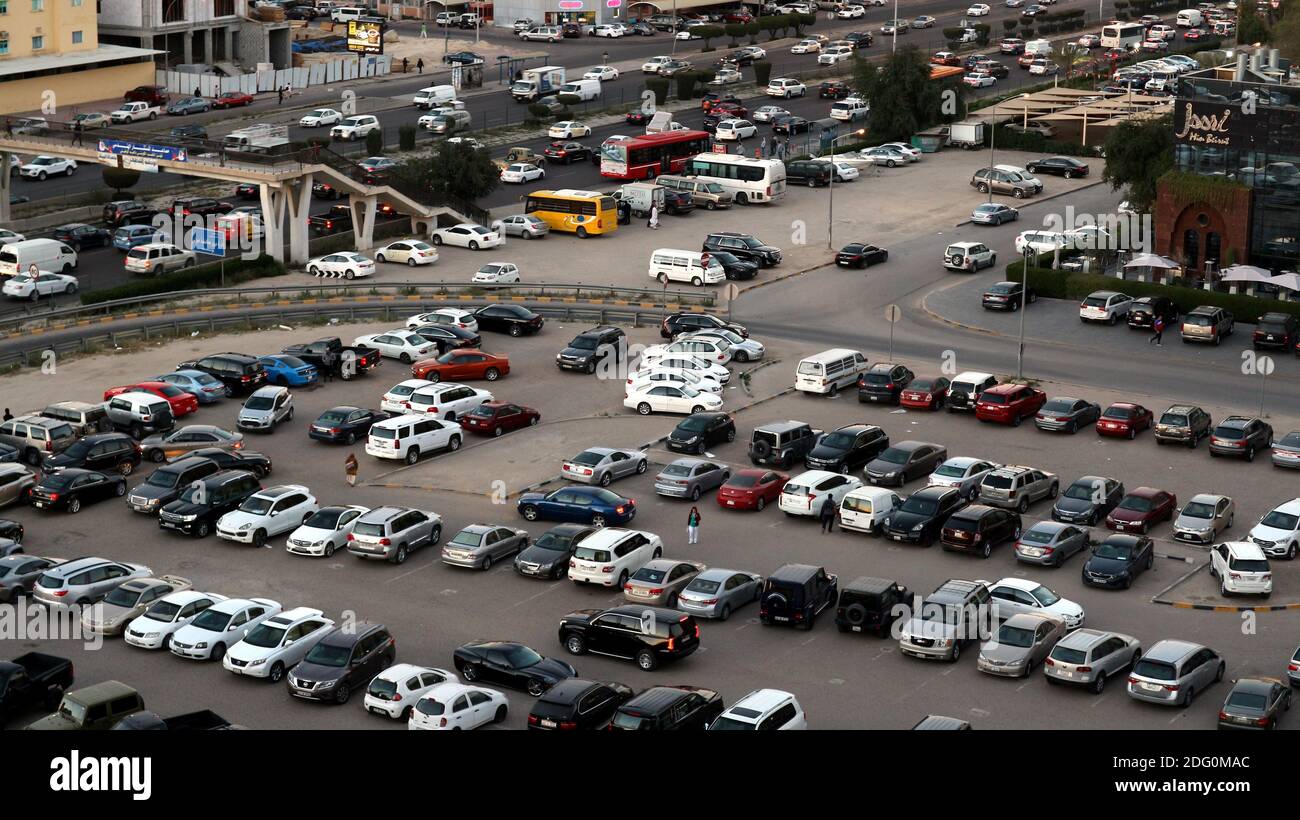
1142 508
729 110
497 417
230 99
182 403
1124 419
751 489
713 99
1009 404
925 393
462 365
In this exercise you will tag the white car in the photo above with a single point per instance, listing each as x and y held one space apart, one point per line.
154 629
735 130
880 155
765 709
850 12
399 344
1043 68
1242 569
1105 306
23 285
325 531
320 117
467 235
426 120
520 172
277 644
666 398
609 30
610 555
473 143
1013 596
268 512
845 172
714 350
601 72
454 705
768 113
742 349
979 79
355 128
462 319
412 252
641 379
726 76
807 46
398 397
395 691
682 361
835 55
348 264
652 65
1040 241
807 492
220 627
497 273
785 87
7 236
688 33
1278 532
962 472
447 400
978 10
567 130
43 166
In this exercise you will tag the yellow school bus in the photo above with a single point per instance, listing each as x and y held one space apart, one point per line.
586 213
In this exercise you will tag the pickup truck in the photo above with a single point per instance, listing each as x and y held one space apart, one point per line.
95 707
134 112
31 680
203 720
520 154
348 361
336 220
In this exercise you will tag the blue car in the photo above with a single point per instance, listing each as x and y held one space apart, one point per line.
585 505
207 388
287 370
128 236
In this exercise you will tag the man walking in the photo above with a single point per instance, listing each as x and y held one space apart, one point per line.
1158 330
350 468
280 95
419 65
762 147
653 224
424 31
828 515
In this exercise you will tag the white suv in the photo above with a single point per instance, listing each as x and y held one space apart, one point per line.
410 436
154 629
395 691
221 626
1241 567
277 644
969 256
652 65
1278 532
272 511
785 87
1105 306
763 710
398 397
447 400
355 128
714 350
609 556
807 492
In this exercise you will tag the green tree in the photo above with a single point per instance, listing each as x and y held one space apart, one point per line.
1250 28
707 33
752 28
1286 34
375 142
120 179
735 31
771 24
1137 154
453 169
659 85
1068 55
762 72
903 98
406 138
801 22
686 84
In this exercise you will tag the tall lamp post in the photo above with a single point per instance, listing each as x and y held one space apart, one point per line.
993 137
830 215
675 18
1024 295
894 45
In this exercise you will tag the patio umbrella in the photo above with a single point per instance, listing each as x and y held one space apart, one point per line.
1247 273
1151 260
1290 281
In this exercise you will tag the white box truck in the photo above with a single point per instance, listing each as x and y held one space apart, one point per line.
262 138
535 83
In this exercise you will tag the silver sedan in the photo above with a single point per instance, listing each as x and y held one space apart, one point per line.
601 465
690 478
1049 543
525 225
962 472
716 593
1204 517
1023 641
660 582
742 349
479 545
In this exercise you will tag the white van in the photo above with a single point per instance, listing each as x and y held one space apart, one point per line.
343 14
1039 48
864 509
46 254
584 89
829 371
696 267
436 95
1188 18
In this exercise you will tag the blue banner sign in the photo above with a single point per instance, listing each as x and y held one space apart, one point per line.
143 150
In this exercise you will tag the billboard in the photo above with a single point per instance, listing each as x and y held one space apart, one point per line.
142 151
366 36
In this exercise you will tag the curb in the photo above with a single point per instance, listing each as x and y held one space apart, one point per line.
925 307
782 277
1156 599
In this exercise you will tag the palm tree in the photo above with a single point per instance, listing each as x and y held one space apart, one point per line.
1067 55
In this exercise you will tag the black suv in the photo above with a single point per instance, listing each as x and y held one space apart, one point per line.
240 372
344 660
744 246
117 452
648 635
127 212
201 205
978 529
810 172
202 503
1183 424
678 202
1275 330
1144 310
165 484
1241 436
669 707
677 323
782 443
884 382
795 594
590 347
868 605
574 703
847 448
255 463
923 515
697 431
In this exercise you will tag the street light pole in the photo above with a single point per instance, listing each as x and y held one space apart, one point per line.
1024 295
674 50
830 199
894 46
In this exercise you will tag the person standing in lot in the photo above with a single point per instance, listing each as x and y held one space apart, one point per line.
827 515
350 468
1157 331
424 31
762 147
419 65
654 217
693 526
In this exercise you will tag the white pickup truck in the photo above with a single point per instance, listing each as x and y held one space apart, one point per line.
134 112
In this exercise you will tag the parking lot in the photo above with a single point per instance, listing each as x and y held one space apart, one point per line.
843 681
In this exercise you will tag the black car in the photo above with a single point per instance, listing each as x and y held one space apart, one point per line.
860 255
570 30
1275 330
127 212
790 125
462 58
1142 313
884 383
70 489
1119 559
678 202
344 423
247 190
242 373
979 528
734 266
833 90
669 708
575 703
448 337
860 39
323 190
195 131
117 452
736 59
647 635
677 323
697 431
922 517
548 556
250 462
591 347
301 13
1067 167
510 664
342 662
1007 296
567 151
81 236
200 205
795 593
11 529
203 502
165 484
515 320
871 605
743 246
847 448
636 117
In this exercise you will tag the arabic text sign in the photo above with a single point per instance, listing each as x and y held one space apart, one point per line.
143 150
366 36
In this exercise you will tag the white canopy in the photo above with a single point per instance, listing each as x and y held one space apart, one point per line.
1247 273
1290 281
1150 260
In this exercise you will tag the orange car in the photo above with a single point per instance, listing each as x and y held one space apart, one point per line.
462 365
182 403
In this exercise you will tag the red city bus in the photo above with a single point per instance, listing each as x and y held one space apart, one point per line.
651 155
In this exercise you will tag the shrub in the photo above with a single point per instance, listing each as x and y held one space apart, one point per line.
659 86
568 99
762 72
119 179
1010 25
375 142
202 276
686 84
406 138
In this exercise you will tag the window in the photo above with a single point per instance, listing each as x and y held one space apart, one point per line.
76 38
38 43
38 5
4 6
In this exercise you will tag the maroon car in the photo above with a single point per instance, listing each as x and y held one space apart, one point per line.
751 489
230 99
1124 419
497 417
1141 509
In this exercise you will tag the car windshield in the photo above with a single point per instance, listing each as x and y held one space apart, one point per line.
256 505
259 403
212 619
265 637
1015 636
123 597
951 471
324 518
78 449
584 343
726 724
1045 596
1280 520
894 455
324 654
920 506
164 611
1114 551
521 657
1082 491
1197 509
1289 440
693 424
1136 503
551 541
72 710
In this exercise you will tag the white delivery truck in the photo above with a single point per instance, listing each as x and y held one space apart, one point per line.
535 83
262 138
582 89
640 196
966 135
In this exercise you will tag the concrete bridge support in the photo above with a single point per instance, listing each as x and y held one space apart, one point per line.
6 186
298 196
363 220
273 208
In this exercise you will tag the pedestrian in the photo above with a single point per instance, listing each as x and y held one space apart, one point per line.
424 31
762 147
76 132
1158 330
828 515
653 224
8 415
197 89
693 526
404 68
280 94
780 149
350 467
327 364
419 65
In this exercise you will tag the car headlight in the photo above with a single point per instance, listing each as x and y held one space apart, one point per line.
692 439
918 528
188 517
257 662
246 527
558 356
203 645
326 684
152 635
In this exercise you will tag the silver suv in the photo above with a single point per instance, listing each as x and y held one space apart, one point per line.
84 580
948 620
1015 487
1172 672
969 256
266 408
1087 657
390 533
35 437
